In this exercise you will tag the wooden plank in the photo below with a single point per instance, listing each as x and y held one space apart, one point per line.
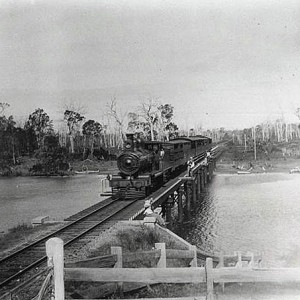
209 278
178 238
221 265
162 262
186 178
141 255
94 262
251 262
177 254
55 254
178 298
234 258
119 264
256 275
149 275
193 262
239 263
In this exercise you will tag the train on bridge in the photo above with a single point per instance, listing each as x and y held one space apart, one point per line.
146 165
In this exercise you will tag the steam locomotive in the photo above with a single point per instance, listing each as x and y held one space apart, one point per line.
144 165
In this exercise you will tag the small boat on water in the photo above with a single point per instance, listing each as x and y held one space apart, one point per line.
244 172
248 171
295 170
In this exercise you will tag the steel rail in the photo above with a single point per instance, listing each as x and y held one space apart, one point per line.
53 233
42 259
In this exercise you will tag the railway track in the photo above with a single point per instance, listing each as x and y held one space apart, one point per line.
81 228
21 264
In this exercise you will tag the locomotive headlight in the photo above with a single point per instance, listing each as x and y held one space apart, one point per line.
128 162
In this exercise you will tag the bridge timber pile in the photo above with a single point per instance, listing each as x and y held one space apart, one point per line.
18 269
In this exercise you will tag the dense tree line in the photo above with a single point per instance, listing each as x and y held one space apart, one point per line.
82 138
85 138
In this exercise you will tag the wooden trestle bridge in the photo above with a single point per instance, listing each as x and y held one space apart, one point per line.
185 190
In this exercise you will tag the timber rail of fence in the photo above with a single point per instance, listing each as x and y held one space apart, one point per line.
109 269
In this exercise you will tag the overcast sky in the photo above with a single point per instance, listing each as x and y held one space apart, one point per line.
219 63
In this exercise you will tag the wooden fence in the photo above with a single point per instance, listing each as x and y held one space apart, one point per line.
109 269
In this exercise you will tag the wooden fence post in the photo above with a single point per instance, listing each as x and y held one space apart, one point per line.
162 262
193 262
239 263
209 279
187 188
119 264
251 262
198 184
221 265
194 187
55 253
180 205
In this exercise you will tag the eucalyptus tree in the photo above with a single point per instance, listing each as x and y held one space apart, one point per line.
155 120
73 120
41 124
172 130
135 124
118 115
148 110
91 130
7 136
166 127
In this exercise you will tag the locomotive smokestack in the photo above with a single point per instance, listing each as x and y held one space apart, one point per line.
133 141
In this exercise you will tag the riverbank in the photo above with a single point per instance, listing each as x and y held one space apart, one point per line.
229 164
27 167
259 166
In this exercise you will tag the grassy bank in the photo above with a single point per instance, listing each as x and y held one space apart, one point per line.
22 234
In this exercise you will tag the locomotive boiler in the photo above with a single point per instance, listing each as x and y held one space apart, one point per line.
134 159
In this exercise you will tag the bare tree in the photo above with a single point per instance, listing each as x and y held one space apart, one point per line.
3 106
118 115
74 105
149 111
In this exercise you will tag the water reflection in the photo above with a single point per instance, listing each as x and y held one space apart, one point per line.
257 212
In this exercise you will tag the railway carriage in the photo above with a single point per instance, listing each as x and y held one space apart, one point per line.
144 166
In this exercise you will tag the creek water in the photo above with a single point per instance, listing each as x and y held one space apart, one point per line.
255 212
24 198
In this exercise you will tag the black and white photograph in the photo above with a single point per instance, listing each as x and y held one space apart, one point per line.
150 149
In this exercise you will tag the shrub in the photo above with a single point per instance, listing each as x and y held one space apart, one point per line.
142 239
